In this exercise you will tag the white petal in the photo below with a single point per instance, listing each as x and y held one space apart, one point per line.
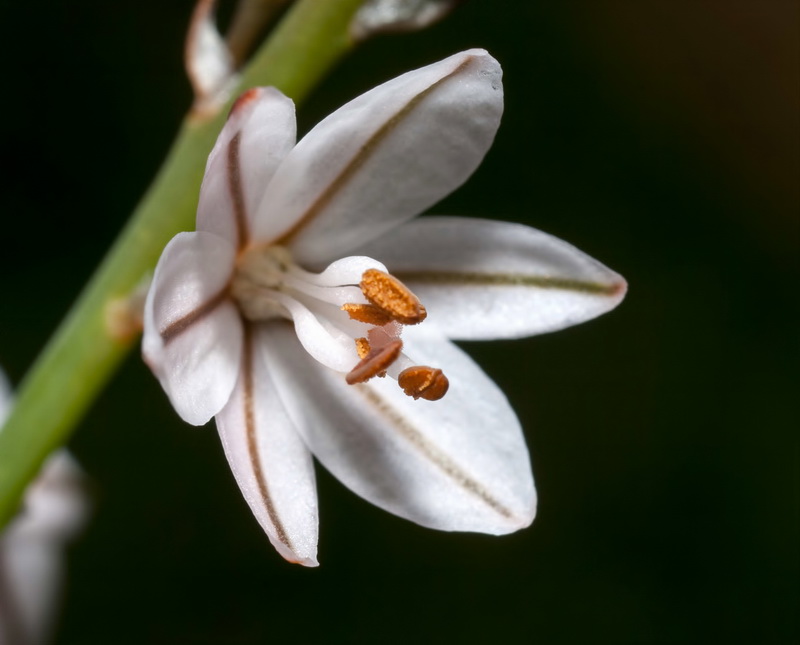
384 157
54 509
31 575
458 464
209 64
56 506
192 334
269 460
31 549
259 133
481 279
194 268
382 16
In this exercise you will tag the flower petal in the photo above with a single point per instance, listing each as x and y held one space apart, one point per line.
481 279
388 16
192 333
31 575
209 64
268 458
55 508
259 133
383 158
459 464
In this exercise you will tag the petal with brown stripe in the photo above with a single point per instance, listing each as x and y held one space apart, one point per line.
192 332
383 158
458 464
482 279
268 458
259 133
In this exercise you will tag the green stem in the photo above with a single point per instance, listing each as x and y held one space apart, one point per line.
82 356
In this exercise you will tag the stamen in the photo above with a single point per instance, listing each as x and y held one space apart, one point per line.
369 314
267 284
375 362
363 349
395 299
428 383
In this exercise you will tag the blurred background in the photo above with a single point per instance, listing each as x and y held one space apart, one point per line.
661 137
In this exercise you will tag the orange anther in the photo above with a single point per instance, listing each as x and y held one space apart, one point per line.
369 314
375 362
394 298
428 383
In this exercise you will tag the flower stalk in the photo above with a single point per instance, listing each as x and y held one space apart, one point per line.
82 354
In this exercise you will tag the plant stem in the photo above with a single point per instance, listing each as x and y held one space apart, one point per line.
82 356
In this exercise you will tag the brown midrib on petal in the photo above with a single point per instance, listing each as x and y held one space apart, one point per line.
361 157
448 278
237 199
175 328
252 444
235 188
433 453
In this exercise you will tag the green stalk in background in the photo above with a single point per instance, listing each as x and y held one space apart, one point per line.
81 356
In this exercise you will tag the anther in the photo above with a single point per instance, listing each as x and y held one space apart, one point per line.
375 362
363 348
428 383
391 296
369 314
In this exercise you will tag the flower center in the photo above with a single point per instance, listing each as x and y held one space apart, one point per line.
352 308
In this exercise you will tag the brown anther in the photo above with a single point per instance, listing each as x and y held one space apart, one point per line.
375 362
369 314
393 297
362 347
428 383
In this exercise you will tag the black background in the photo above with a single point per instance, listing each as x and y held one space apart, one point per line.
661 138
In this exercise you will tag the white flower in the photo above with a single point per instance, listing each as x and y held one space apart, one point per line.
218 318
54 509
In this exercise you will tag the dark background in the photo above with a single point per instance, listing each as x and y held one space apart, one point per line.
660 137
